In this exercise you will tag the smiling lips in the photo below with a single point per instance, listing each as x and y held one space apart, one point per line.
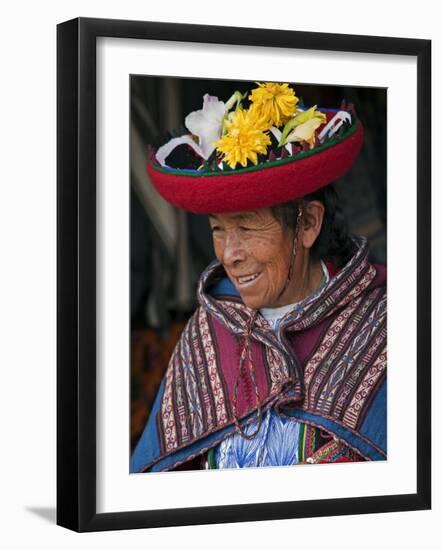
247 280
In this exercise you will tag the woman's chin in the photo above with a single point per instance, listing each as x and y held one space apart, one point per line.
253 302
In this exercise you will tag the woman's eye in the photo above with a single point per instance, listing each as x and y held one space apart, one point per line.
242 228
215 228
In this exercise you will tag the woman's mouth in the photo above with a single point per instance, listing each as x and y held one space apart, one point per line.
246 281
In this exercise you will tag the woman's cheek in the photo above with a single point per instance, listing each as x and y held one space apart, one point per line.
218 249
258 250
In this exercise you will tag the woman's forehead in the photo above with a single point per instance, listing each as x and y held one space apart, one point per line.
260 214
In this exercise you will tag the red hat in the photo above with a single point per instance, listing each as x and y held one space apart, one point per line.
293 168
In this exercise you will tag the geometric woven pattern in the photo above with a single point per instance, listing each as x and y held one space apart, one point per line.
328 358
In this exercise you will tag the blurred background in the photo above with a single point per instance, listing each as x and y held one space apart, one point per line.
170 248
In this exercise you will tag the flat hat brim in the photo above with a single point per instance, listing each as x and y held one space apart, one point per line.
260 186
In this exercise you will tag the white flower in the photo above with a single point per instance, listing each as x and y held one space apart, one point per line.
207 123
165 150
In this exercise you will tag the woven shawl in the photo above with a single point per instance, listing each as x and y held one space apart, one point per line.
324 366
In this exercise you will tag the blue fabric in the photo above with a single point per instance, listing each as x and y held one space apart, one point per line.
223 287
152 448
148 446
374 426
276 428
275 444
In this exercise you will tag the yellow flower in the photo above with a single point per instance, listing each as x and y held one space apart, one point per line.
303 127
244 139
274 102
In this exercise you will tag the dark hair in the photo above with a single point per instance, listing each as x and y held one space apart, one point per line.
334 241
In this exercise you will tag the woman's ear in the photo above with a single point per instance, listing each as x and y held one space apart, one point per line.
313 215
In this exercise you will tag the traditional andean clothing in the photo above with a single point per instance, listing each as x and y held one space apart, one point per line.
320 377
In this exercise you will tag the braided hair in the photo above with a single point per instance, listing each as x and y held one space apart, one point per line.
334 241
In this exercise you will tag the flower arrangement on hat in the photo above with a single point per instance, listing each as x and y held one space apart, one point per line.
240 134
262 135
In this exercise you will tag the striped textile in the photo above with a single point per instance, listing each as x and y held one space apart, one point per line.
324 366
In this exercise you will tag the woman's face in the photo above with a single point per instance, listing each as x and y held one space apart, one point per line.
256 252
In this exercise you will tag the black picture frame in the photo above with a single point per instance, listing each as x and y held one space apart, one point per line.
77 287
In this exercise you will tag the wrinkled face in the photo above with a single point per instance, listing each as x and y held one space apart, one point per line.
255 251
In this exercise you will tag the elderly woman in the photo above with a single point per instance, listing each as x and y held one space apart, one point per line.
284 360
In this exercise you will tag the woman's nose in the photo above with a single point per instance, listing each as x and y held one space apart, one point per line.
234 250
